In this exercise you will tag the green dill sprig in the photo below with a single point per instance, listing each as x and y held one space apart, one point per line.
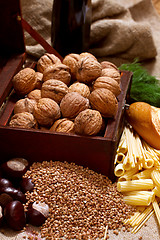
144 87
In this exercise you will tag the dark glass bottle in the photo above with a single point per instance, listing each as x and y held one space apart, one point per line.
70 30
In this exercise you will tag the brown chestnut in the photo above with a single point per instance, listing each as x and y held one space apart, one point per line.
15 167
14 193
37 213
15 215
5 199
5 183
26 185
1 216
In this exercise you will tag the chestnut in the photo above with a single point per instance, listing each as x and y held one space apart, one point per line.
14 193
1 216
15 167
14 215
37 213
26 185
5 199
5 183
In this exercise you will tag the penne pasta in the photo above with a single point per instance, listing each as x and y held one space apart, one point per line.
143 174
139 199
119 158
119 170
128 174
156 191
135 185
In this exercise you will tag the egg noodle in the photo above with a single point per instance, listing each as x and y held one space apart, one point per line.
137 166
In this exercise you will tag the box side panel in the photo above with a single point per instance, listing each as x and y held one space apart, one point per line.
11 32
95 154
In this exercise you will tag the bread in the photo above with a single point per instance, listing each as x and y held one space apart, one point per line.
145 120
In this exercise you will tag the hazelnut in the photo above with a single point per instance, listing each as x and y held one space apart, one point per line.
63 125
111 72
72 104
59 72
23 120
54 89
14 215
87 54
108 83
39 80
71 61
15 167
81 88
35 95
24 105
46 111
106 64
37 213
47 60
88 70
88 122
104 101
24 81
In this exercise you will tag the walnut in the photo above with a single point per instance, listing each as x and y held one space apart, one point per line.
47 60
54 89
24 105
58 71
71 61
63 125
88 70
35 94
23 120
88 122
106 64
81 88
72 104
87 54
39 80
108 83
24 81
111 72
46 111
104 101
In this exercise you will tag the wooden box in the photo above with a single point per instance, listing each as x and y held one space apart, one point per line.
97 153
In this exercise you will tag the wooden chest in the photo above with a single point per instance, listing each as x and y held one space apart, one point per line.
97 153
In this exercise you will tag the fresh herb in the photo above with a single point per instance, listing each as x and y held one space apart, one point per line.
144 88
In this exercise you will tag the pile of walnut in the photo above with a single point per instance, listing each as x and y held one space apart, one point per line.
73 96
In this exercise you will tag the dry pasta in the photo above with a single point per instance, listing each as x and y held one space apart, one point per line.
135 185
119 170
155 175
157 210
139 198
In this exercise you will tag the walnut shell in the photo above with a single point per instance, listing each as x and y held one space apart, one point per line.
81 88
72 104
46 111
54 89
88 122
87 54
35 94
111 72
104 101
71 61
63 125
23 120
47 60
58 71
88 70
39 80
24 81
106 64
108 83
24 105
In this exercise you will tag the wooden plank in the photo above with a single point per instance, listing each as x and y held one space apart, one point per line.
12 66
